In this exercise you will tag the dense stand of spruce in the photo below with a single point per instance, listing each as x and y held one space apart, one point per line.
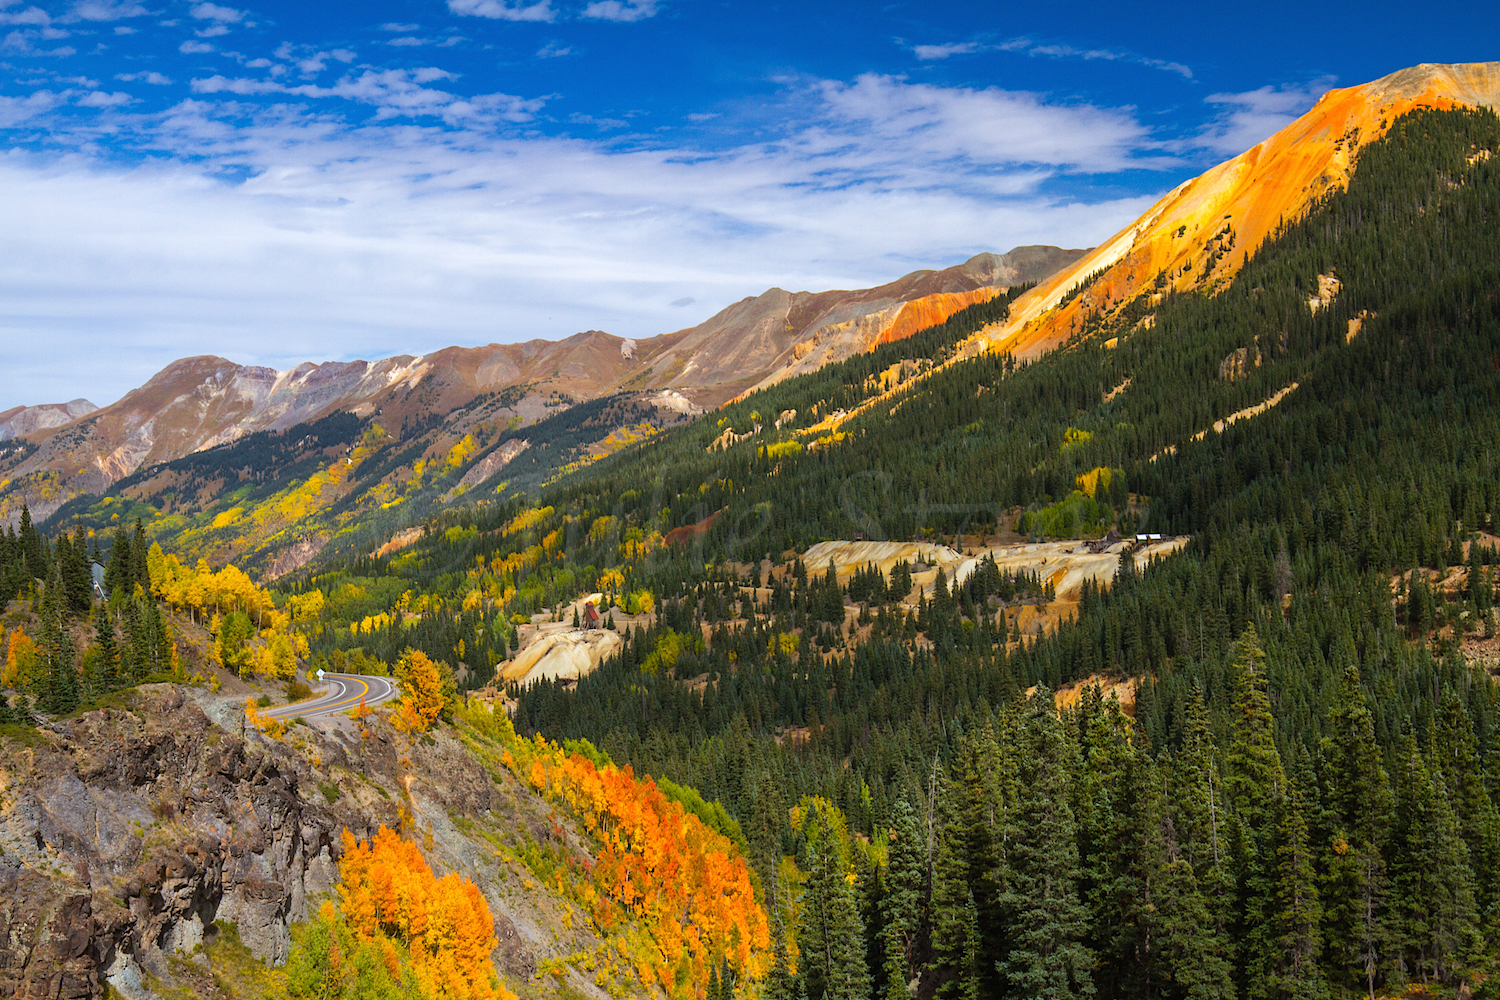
1304 800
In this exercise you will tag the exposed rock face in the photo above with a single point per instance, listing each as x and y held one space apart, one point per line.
126 834
564 656
1198 236
19 420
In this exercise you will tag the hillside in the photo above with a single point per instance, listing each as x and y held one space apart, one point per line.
199 403
1198 236
1318 655
862 622
166 840
22 420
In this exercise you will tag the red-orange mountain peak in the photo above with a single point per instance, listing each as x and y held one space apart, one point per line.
1199 235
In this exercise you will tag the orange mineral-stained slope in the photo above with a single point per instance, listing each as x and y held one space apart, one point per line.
1200 234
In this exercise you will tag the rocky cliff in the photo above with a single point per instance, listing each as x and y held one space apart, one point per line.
127 834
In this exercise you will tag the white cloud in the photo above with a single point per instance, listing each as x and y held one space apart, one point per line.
343 55
223 85
1109 55
31 15
393 93
213 12
122 29
503 10
18 110
944 51
407 40
397 26
616 10
104 10
194 48
966 127
352 240
99 99
578 118
1255 115
554 50
1027 46
212 32
19 43
149 76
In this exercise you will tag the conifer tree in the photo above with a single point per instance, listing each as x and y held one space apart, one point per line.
60 694
966 861
1455 755
138 563
1199 816
72 554
831 944
781 984
119 575
33 546
1252 766
1048 922
1435 933
1291 941
1358 800
902 904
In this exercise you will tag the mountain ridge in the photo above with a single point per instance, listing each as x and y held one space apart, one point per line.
1274 182
202 402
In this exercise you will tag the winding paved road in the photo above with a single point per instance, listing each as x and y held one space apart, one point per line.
343 692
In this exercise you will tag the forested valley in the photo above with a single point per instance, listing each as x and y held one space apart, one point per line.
1301 798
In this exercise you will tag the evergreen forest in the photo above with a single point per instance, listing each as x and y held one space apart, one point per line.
1301 798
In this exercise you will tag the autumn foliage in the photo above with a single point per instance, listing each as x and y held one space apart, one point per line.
423 699
398 931
658 870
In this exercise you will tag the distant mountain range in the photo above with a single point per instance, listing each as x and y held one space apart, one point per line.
61 453
416 432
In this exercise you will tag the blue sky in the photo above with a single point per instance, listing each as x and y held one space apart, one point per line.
280 182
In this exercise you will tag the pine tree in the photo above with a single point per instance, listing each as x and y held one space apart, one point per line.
832 938
1047 958
138 563
902 906
971 963
1199 811
109 653
1435 932
78 582
119 575
781 984
1291 943
966 859
1190 951
1110 802
1455 754
60 694
1252 766
1358 800
33 546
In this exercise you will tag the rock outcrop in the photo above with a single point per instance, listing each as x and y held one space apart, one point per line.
126 833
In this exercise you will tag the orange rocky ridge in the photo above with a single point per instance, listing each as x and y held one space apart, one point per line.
1226 213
